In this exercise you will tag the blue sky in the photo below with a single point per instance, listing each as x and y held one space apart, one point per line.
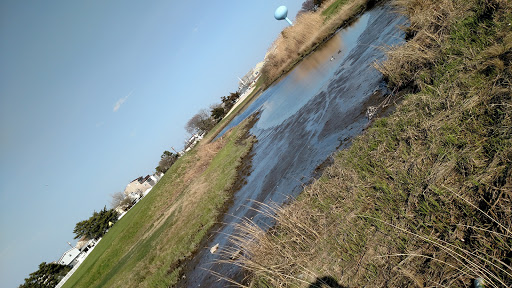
92 93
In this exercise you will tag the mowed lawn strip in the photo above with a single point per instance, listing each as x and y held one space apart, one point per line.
147 247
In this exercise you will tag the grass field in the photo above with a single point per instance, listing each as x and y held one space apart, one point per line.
147 247
333 8
423 198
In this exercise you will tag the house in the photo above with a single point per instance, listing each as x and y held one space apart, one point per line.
152 180
250 78
137 189
120 209
138 185
75 256
84 244
156 177
192 141
69 258
135 197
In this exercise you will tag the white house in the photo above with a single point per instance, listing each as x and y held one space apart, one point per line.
134 196
137 189
192 141
152 180
120 210
250 78
138 185
69 258
158 175
77 253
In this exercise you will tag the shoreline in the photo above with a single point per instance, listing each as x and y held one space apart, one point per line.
419 198
166 227
340 24
242 171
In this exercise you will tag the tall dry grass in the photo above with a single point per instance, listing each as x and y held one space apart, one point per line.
309 30
429 31
424 197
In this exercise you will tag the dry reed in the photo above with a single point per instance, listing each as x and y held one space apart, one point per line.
309 30
424 197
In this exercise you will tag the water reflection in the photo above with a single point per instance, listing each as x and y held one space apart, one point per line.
316 63
303 119
313 73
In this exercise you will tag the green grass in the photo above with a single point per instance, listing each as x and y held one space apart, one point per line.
422 198
146 248
333 8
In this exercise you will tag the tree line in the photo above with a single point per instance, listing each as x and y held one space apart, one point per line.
95 227
204 120
50 274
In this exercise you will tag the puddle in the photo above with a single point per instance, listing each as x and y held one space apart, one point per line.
313 111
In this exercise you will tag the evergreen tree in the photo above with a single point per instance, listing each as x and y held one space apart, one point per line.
48 275
230 100
218 113
97 225
166 161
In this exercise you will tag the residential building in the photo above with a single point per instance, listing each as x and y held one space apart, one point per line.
138 186
77 253
134 196
250 78
69 258
193 141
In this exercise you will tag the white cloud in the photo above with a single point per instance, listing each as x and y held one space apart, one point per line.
120 102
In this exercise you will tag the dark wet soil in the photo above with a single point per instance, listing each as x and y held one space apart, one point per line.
303 119
243 170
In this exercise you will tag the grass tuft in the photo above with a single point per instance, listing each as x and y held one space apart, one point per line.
309 31
424 196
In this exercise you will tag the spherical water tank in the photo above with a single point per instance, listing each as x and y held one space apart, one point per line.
281 13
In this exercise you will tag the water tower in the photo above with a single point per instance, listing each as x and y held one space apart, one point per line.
281 13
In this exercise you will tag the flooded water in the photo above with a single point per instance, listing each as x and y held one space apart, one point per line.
312 112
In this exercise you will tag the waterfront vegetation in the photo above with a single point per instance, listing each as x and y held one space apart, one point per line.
334 7
235 111
149 245
423 198
309 31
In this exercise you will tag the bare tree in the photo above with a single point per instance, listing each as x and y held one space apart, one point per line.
116 199
310 6
307 6
200 123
